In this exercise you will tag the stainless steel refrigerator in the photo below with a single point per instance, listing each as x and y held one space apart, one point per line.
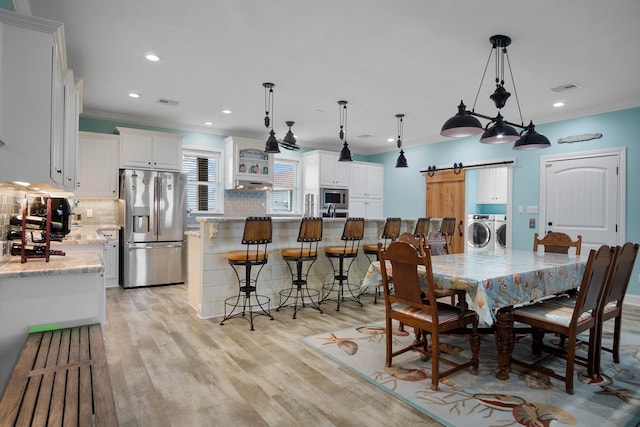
153 207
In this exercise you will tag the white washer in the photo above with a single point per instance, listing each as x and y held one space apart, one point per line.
501 233
481 233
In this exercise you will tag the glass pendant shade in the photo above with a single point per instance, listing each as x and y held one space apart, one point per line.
499 133
402 160
345 153
272 143
531 140
462 124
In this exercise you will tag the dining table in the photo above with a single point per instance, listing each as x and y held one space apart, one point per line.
496 282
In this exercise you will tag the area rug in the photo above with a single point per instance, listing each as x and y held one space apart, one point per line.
527 398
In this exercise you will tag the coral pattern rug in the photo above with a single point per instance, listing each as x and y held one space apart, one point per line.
528 399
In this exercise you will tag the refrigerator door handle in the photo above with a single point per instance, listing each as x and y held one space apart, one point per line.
132 248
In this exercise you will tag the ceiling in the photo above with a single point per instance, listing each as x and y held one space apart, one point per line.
415 57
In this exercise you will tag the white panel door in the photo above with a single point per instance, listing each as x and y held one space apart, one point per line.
583 197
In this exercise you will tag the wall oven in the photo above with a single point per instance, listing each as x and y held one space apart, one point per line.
338 198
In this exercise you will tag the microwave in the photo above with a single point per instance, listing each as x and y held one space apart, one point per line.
339 198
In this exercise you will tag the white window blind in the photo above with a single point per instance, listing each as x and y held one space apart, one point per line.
203 181
283 197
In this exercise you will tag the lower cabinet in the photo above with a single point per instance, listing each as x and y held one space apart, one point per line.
110 258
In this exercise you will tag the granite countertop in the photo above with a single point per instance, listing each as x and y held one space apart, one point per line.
72 263
88 235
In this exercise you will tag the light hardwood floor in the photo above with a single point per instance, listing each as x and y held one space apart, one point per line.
170 368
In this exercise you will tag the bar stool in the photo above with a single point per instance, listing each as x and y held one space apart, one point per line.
422 227
309 235
351 235
390 232
256 236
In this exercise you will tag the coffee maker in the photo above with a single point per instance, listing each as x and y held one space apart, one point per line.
60 212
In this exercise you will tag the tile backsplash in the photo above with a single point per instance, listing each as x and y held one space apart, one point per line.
10 200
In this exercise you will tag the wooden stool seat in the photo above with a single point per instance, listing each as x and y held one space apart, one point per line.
243 256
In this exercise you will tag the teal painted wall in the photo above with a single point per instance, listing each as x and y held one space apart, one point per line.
404 189
6 4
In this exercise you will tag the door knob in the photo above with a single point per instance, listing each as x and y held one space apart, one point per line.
549 223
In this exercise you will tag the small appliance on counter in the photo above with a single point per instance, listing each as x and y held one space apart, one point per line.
154 218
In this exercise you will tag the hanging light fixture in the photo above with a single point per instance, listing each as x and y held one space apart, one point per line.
289 141
402 160
345 153
498 130
272 143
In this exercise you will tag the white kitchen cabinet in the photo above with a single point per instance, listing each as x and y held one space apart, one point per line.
365 208
366 190
332 172
143 149
322 169
246 161
97 175
110 258
492 185
32 102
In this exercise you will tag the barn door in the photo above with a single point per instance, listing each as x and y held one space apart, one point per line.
445 198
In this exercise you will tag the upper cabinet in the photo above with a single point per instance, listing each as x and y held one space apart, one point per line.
492 185
366 190
322 169
246 163
143 149
97 166
38 103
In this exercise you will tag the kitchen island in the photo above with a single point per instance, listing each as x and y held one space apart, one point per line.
66 291
212 280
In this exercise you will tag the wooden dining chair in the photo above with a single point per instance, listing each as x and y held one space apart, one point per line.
611 305
568 316
403 302
556 242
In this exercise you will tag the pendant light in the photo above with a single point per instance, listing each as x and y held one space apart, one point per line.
498 130
402 160
289 141
272 143
345 153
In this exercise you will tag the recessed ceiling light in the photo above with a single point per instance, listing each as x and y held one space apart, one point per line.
226 111
558 104
390 139
208 123
134 95
153 57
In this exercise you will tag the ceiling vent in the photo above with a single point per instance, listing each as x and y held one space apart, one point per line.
565 87
168 102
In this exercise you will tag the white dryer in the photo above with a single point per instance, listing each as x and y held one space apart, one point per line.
480 233
501 233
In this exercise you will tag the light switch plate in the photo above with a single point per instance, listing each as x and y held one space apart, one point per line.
532 223
89 213
532 210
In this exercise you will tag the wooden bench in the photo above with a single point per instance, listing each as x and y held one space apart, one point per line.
61 378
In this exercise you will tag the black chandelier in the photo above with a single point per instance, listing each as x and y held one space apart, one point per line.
402 160
345 153
498 130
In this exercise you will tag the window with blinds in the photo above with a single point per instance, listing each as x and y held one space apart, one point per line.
203 181
283 197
